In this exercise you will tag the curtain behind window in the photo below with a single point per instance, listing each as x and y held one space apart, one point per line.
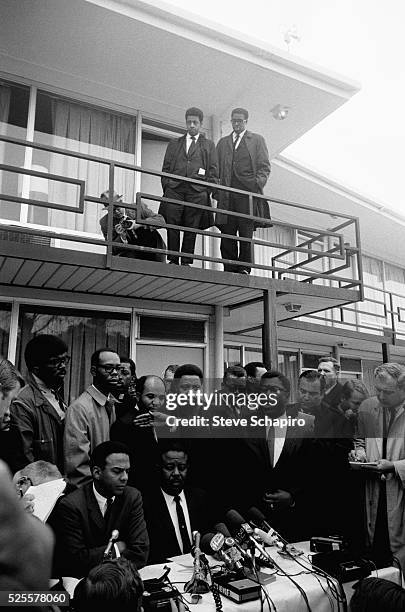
263 254
93 132
83 332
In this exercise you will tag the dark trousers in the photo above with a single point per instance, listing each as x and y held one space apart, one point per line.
178 214
231 248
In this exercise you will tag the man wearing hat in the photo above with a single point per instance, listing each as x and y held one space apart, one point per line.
126 230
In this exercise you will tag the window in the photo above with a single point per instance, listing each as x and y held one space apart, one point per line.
5 316
83 331
14 100
177 330
85 129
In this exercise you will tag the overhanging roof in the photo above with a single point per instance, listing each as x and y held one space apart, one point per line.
382 230
137 55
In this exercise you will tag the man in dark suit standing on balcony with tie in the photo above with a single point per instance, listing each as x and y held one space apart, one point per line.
192 156
243 164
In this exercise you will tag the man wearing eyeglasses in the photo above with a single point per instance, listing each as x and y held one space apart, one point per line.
243 164
38 412
90 416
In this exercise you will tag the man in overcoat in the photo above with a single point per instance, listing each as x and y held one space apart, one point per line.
243 164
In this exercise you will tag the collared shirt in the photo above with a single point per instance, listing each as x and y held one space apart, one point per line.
189 141
48 395
101 398
327 391
171 506
235 135
102 501
279 438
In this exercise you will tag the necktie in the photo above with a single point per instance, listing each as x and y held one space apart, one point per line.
109 405
270 444
236 140
108 508
59 399
192 147
386 431
182 525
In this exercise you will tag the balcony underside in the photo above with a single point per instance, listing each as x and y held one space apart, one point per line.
33 268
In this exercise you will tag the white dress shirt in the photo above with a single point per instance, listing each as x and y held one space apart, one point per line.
102 504
241 135
279 438
171 506
189 141
102 501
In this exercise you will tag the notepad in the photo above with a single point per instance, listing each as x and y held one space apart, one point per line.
46 496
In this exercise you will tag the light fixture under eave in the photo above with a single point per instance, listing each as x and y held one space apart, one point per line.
280 112
291 307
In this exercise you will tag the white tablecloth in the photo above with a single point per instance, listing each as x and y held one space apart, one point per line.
282 591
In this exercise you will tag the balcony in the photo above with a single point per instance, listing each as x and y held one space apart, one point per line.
309 265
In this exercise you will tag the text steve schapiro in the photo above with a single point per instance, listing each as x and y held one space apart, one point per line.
220 421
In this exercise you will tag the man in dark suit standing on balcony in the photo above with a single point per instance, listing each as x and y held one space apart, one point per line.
243 164
192 156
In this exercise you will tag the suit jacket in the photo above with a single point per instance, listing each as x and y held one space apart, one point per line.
204 156
86 426
36 428
163 541
144 452
252 475
171 162
259 157
82 534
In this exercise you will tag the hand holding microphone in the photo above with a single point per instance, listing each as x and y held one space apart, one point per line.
114 537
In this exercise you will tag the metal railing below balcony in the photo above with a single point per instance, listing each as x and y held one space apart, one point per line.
381 316
283 260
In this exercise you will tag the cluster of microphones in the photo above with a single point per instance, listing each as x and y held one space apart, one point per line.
240 545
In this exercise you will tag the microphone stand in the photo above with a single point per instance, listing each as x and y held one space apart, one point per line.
199 582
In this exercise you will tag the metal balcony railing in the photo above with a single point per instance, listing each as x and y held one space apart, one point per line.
282 260
381 315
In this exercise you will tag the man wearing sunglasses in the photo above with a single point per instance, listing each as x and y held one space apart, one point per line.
38 412
90 416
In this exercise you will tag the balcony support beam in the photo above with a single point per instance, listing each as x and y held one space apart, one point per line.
269 330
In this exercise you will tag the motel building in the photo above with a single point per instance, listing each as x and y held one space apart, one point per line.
91 92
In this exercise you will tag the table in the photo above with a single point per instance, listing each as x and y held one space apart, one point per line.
282 591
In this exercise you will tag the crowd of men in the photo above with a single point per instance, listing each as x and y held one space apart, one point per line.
239 161
128 470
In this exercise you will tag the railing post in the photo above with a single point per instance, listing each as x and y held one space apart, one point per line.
269 333
110 223
219 343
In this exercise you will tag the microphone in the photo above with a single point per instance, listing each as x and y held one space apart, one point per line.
244 532
258 519
198 582
114 537
222 528
212 542
272 537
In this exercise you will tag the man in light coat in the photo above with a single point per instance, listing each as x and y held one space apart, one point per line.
90 416
382 429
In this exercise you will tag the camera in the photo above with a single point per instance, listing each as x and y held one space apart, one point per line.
157 594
